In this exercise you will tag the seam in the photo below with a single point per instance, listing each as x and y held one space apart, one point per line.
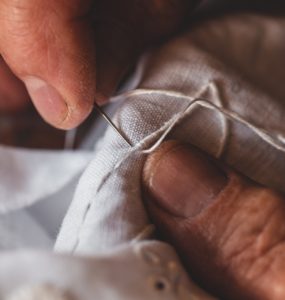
275 139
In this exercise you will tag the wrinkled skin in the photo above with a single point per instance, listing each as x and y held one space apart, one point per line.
79 49
228 230
230 233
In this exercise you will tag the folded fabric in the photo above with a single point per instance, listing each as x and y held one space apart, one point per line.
196 90
149 270
29 177
210 87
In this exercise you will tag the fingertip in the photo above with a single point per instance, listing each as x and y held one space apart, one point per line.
76 115
221 225
53 107
153 160
182 180
52 51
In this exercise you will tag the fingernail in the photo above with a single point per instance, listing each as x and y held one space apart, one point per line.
182 180
47 100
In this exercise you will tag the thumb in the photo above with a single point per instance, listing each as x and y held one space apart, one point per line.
49 45
229 231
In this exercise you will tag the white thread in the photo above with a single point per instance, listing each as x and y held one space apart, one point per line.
276 140
146 232
147 255
281 138
225 135
137 147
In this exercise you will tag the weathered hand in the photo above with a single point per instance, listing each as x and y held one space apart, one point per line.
228 230
71 52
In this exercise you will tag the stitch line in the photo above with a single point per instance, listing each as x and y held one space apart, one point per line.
276 140
141 145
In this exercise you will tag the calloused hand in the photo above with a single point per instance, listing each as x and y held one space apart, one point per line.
69 53
229 231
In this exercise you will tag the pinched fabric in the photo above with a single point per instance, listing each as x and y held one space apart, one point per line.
212 87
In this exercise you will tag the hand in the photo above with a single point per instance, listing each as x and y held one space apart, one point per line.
71 52
228 230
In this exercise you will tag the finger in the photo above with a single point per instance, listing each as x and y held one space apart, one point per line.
229 231
13 95
49 45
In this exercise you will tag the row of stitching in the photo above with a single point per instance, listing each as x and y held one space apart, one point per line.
139 147
275 139
161 134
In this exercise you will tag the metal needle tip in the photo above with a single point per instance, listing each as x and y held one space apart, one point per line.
103 114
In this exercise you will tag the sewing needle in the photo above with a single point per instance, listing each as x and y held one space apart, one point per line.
104 115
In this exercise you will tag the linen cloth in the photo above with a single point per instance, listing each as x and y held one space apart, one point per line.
210 87
107 209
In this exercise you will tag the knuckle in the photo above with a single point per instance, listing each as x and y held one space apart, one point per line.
258 243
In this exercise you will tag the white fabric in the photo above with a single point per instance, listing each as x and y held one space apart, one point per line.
226 62
149 270
28 177
19 230
107 209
